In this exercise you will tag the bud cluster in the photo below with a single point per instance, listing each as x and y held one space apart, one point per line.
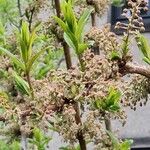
132 13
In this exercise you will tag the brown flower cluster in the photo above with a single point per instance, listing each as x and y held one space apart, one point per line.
67 126
136 91
94 130
62 89
104 38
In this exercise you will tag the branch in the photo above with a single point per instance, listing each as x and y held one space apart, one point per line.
67 55
93 19
64 44
133 68
59 63
57 7
31 18
20 12
19 8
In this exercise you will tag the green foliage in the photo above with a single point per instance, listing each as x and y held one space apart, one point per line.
66 148
144 47
3 74
8 11
118 3
21 84
13 146
26 42
51 61
13 57
125 45
115 55
73 28
110 103
2 34
117 145
39 139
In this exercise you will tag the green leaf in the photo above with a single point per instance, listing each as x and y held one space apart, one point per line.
71 2
2 28
143 45
114 140
69 16
147 60
73 22
14 58
32 38
43 71
117 145
118 3
34 58
3 73
15 146
21 84
110 103
126 145
113 97
63 148
97 104
61 23
24 41
72 29
82 48
39 139
81 24
46 141
125 45
37 134
3 145
69 41
73 39
114 55
114 107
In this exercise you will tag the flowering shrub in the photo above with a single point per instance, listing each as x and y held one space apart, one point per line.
78 102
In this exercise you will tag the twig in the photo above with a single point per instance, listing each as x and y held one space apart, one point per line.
67 55
93 19
80 136
57 7
133 68
59 62
30 85
24 142
95 48
31 18
20 12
